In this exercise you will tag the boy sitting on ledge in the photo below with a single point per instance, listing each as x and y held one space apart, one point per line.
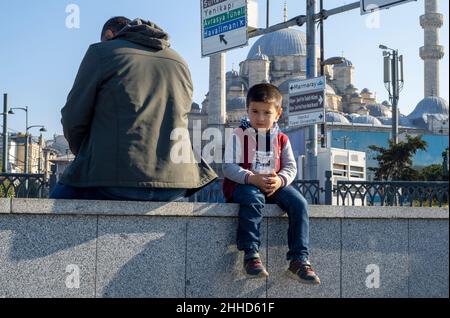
262 173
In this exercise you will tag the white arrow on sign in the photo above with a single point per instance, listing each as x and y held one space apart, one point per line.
320 100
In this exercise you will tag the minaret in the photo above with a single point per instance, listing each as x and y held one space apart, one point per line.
431 52
217 91
285 17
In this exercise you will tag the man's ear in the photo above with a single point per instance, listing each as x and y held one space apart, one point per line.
108 35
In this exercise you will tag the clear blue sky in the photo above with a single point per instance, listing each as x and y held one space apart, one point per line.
39 55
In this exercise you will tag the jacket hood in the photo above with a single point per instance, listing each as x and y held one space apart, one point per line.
144 33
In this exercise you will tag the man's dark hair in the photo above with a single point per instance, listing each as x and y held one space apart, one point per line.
115 25
266 93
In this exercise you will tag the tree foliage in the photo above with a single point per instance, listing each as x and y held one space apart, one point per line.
395 162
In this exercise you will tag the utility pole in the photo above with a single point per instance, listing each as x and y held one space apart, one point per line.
393 81
311 72
395 96
323 140
5 134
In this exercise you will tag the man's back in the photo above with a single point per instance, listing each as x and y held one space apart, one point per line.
130 94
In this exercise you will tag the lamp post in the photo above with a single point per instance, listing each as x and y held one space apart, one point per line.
393 81
25 109
27 141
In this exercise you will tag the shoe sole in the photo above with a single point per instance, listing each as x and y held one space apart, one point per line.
297 278
263 274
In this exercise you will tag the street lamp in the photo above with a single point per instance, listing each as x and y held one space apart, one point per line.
393 81
26 143
25 109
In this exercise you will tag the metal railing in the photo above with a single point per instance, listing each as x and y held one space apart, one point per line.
392 193
364 193
310 190
213 192
19 185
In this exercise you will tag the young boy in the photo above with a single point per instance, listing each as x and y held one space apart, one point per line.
261 171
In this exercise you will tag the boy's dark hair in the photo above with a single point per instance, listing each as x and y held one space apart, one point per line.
266 93
115 24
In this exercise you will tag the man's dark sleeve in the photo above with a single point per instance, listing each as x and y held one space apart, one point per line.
79 109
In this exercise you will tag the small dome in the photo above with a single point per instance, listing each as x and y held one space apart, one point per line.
366 91
259 56
334 117
231 74
356 95
366 120
239 103
387 104
346 63
378 110
195 106
284 42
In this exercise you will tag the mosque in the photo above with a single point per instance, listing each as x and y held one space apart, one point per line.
280 57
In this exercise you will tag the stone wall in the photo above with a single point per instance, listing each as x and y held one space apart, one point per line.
133 249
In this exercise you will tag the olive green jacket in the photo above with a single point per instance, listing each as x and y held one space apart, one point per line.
129 95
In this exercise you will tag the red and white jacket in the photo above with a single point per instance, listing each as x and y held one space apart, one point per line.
244 147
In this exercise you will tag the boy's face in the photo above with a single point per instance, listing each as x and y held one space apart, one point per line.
262 115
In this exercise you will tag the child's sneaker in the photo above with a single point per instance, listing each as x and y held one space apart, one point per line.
303 272
254 268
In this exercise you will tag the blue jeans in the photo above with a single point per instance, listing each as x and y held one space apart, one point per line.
252 201
62 191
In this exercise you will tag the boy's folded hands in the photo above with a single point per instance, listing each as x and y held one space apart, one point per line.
267 183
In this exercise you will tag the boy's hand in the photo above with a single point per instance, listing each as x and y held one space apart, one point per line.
273 183
259 181
268 184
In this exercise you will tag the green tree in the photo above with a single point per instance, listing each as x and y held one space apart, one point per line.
395 162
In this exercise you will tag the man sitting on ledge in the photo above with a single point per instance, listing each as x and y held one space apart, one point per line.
131 91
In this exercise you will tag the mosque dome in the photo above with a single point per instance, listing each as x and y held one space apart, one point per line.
378 110
365 119
334 117
366 91
284 42
430 105
238 103
434 106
